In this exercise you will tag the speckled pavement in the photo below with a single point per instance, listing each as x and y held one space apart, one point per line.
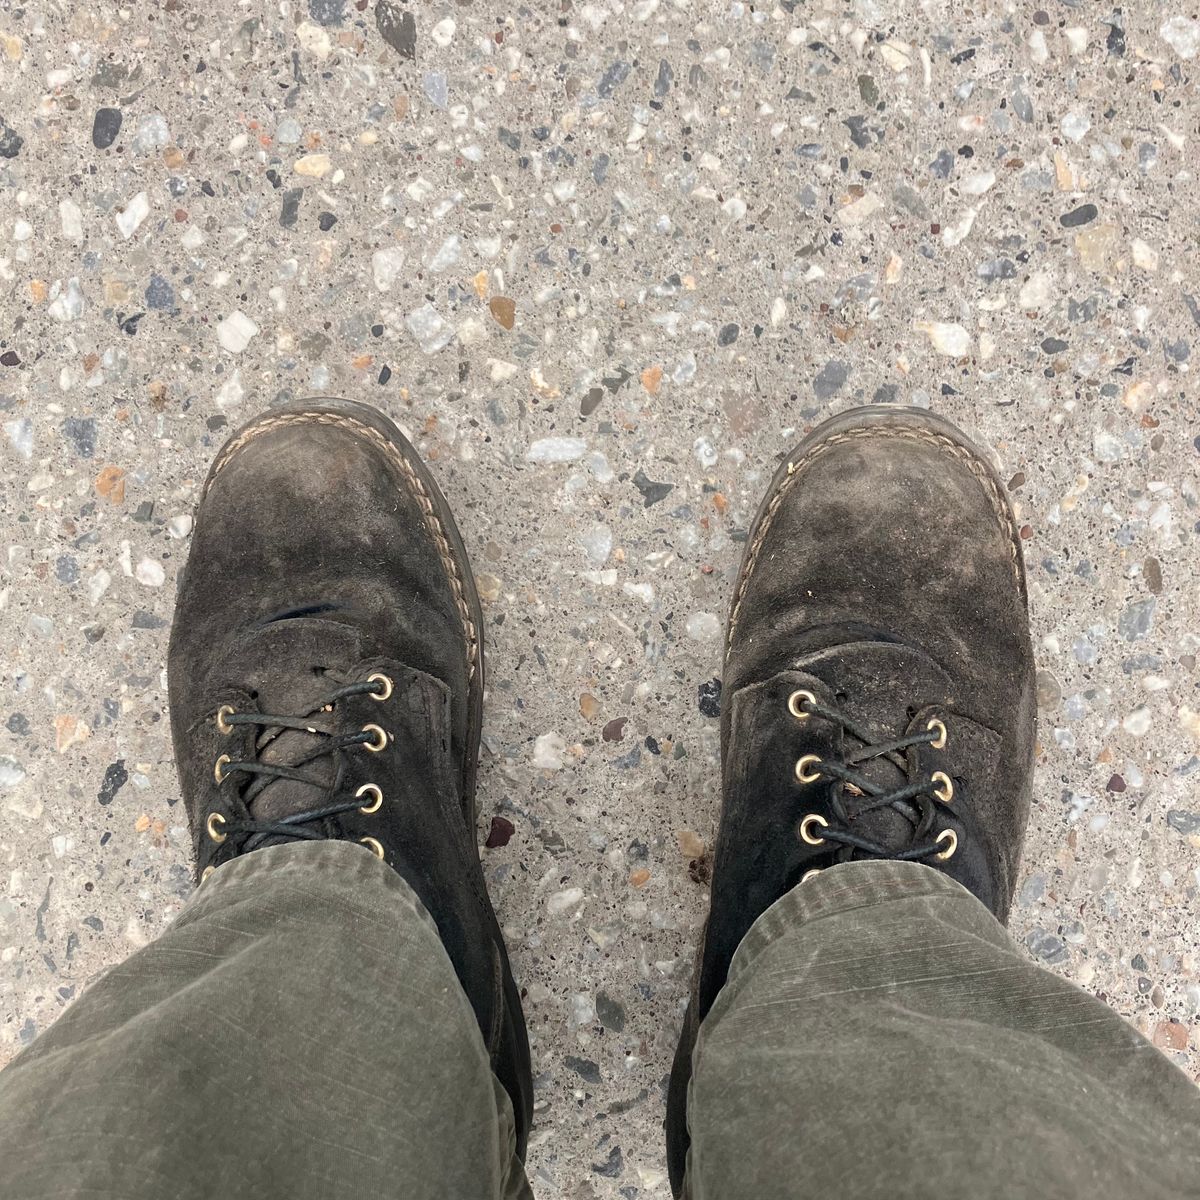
604 262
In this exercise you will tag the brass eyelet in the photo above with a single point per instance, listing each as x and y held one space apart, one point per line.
204 875
802 765
369 789
944 792
218 774
950 837
374 845
805 825
212 825
809 874
388 686
794 704
940 742
381 738
223 713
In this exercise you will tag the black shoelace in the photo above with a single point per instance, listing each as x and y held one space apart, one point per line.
854 795
311 824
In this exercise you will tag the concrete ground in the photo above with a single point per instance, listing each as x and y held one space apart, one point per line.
604 262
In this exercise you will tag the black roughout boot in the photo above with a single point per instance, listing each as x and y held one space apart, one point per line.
326 678
878 683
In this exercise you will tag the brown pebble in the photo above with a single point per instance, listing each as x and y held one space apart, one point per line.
110 483
1171 1035
504 309
614 731
691 844
500 833
639 878
1116 784
1152 573
589 706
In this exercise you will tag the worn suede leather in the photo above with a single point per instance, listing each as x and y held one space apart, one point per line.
884 575
322 553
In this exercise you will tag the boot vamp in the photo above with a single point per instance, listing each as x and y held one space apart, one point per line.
313 522
895 539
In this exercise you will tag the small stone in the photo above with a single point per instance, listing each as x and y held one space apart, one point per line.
132 215
232 392
1075 125
20 434
830 379
1182 34
858 211
504 310
597 542
115 778
160 294
437 91
71 217
652 379
500 833
1171 1035
289 207
703 626
150 573
1037 291
106 124
110 483
179 527
1082 215
651 491
979 183
589 706
1143 255
11 772
288 132
691 844
1047 946
1187 823
398 27
639 877
386 265
612 1166
1021 104
548 752
447 255
556 450
151 134
488 586
315 166
81 433
427 326
611 1012
709 698
947 338
1049 690
614 731
327 12
10 140
68 303
1136 621
1137 722
235 331
566 901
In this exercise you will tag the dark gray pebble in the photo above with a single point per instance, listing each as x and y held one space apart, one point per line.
105 127
1082 215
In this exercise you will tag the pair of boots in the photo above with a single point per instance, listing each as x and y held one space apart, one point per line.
326 681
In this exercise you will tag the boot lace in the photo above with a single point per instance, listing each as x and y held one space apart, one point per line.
311 824
854 795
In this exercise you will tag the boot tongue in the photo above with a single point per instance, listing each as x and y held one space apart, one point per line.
876 684
294 665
